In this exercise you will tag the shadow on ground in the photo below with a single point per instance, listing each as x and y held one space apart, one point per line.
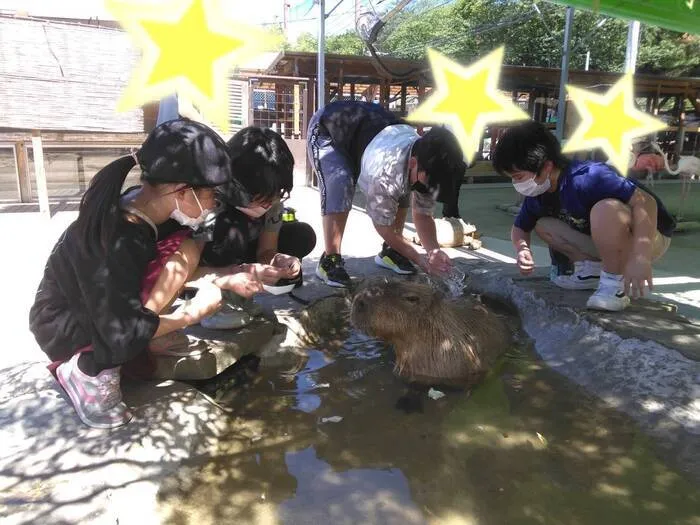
526 447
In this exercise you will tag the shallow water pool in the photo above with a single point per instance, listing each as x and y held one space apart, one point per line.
324 444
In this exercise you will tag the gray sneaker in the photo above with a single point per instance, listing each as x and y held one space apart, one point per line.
236 312
97 400
176 344
229 317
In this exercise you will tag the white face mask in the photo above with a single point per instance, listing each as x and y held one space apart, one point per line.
255 212
530 188
184 219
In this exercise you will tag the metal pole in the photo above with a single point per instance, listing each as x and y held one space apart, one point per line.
588 60
321 66
632 47
561 107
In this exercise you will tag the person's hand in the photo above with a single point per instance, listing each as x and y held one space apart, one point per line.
526 263
266 273
206 301
245 284
637 272
437 262
288 263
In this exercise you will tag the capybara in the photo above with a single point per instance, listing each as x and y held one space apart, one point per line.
437 340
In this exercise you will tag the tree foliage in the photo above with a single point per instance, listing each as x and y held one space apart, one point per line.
531 31
347 43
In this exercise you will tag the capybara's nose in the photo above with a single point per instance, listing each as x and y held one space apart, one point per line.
360 305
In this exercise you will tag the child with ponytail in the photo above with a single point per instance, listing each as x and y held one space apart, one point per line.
103 301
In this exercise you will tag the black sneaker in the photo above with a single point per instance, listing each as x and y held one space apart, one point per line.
331 270
394 261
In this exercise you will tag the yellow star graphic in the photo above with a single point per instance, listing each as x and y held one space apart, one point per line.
466 99
189 47
610 122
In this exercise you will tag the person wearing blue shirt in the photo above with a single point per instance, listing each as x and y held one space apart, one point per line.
611 227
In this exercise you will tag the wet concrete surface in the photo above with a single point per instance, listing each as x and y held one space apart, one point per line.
327 445
554 437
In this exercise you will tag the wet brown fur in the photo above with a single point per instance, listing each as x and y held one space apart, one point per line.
437 339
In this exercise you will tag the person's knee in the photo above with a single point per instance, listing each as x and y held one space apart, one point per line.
546 228
606 214
297 239
609 207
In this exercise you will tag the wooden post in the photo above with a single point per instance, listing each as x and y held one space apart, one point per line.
297 112
657 95
352 91
680 135
385 93
24 184
403 99
251 102
421 89
531 103
341 84
82 185
40 173
307 112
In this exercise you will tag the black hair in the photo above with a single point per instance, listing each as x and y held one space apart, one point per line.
526 147
262 162
177 151
439 154
99 210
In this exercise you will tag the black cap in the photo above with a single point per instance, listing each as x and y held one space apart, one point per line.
183 150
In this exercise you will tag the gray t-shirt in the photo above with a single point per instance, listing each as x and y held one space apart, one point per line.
273 218
384 175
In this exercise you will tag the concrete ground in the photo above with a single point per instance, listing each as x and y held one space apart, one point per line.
645 361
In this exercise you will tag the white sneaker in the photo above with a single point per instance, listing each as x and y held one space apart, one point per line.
229 317
610 295
586 276
235 313
97 400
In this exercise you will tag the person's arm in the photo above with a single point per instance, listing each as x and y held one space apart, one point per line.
521 242
267 246
520 238
397 242
179 319
436 260
644 216
638 268
425 228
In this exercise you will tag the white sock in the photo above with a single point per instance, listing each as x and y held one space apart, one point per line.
611 279
610 276
594 265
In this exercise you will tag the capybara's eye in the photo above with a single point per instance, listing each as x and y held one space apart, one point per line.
411 298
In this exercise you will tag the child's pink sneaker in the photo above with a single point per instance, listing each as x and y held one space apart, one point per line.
97 400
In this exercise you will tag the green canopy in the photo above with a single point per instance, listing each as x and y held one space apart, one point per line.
678 15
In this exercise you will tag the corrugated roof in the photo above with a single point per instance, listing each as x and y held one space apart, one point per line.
64 77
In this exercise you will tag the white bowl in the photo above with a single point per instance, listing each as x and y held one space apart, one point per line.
278 290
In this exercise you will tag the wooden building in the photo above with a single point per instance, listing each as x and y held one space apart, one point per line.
60 82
